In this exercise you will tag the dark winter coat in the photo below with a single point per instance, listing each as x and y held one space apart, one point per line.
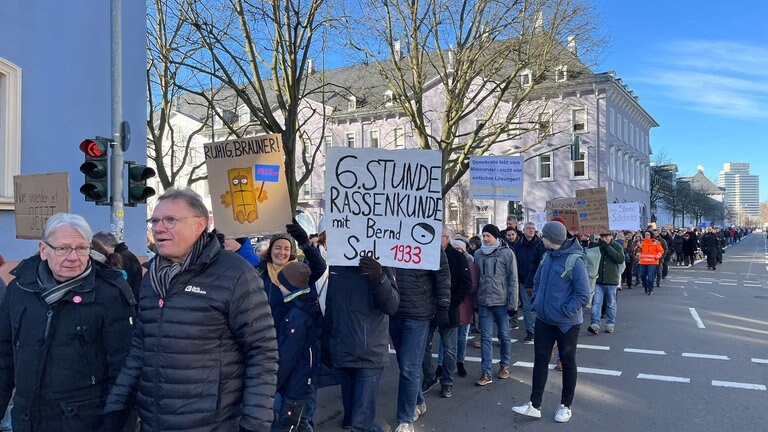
528 254
677 244
709 243
611 256
356 324
132 267
62 358
461 283
204 358
422 291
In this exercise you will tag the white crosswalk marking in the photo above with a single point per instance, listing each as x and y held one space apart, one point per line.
664 378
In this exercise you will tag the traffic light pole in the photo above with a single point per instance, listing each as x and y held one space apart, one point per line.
117 212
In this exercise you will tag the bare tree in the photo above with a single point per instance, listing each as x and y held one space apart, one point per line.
461 198
491 58
662 180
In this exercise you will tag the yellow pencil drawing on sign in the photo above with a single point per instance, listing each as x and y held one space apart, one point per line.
242 195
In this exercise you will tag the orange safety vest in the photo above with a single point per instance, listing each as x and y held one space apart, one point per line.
650 252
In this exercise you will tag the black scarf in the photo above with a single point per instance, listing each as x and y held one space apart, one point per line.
162 271
53 290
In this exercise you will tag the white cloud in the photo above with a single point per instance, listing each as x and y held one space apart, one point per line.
717 77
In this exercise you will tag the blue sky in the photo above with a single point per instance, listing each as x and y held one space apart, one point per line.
700 69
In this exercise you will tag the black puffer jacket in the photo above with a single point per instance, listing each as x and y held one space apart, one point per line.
205 358
62 359
421 291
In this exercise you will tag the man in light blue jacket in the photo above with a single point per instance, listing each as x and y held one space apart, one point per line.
558 297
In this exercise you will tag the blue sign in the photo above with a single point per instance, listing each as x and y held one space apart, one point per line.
269 173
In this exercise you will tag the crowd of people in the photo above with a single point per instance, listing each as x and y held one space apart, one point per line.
218 334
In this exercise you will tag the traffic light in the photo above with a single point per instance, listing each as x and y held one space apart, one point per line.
138 191
575 151
96 170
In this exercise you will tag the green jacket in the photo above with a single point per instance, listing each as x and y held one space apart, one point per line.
611 257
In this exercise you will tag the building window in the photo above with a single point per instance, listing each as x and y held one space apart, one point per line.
626 131
579 166
632 141
545 123
526 78
617 169
618 126
561 73
373 138
612 121
399 135
352 103
453 212
244 115
579 119
625 168
10 130
545 167
327 142
306 188
389 98
351 139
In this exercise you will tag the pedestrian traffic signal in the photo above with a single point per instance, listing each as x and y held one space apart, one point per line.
96 170
138 191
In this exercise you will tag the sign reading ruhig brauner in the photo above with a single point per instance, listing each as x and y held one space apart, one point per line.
496 177
384 204
249 194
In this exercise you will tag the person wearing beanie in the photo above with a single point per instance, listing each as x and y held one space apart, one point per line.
558 299
298 347
497 298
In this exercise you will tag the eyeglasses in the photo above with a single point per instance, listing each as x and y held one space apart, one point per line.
66 250
168 222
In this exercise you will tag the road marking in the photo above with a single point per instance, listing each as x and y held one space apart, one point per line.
757 360
644 351
718 295
664 378
702 282
594 347
746 386
753 286
580 369
707 356
727 283
696 318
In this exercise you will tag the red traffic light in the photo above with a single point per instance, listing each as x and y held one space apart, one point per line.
93 148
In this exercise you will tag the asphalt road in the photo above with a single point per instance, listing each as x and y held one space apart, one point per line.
693 357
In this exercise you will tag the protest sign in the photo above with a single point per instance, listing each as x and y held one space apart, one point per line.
624 216
566 208
249 194
593 211
36 198
385 204
496 177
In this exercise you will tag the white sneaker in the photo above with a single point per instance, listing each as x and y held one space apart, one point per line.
419 411
563 414
528 410
404 427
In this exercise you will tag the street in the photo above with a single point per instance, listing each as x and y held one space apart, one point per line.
693 357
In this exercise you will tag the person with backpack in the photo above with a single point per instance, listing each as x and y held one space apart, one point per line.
558 297
608 280
650 252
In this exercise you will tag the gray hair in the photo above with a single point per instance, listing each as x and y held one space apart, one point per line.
61 220
511 218
189 196
106 238
527 224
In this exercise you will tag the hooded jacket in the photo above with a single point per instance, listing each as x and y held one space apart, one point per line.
559 300
498 285
204 358
62 358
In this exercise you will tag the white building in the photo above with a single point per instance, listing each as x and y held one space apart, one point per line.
742 190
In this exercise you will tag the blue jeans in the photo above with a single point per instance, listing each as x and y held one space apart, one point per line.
605 293
358 394
409 338
488 316
447 354
527 309
461 348
647 274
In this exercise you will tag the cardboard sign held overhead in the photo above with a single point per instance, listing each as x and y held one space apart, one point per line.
249 194
566 208
593 211
36 198
385 204
624 216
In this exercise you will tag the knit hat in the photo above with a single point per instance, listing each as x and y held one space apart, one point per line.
561 220
554 232
492 230
294 276
459 243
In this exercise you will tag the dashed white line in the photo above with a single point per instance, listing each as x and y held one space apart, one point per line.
580 369
706 356
594 347
702 282
746 386
717 295
754 286
644 351
664 378
695 316
757 360
727 283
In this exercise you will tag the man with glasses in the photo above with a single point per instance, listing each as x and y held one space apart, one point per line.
65 330
204 355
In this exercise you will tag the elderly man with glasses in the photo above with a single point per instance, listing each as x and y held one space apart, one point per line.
65 329
204 355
